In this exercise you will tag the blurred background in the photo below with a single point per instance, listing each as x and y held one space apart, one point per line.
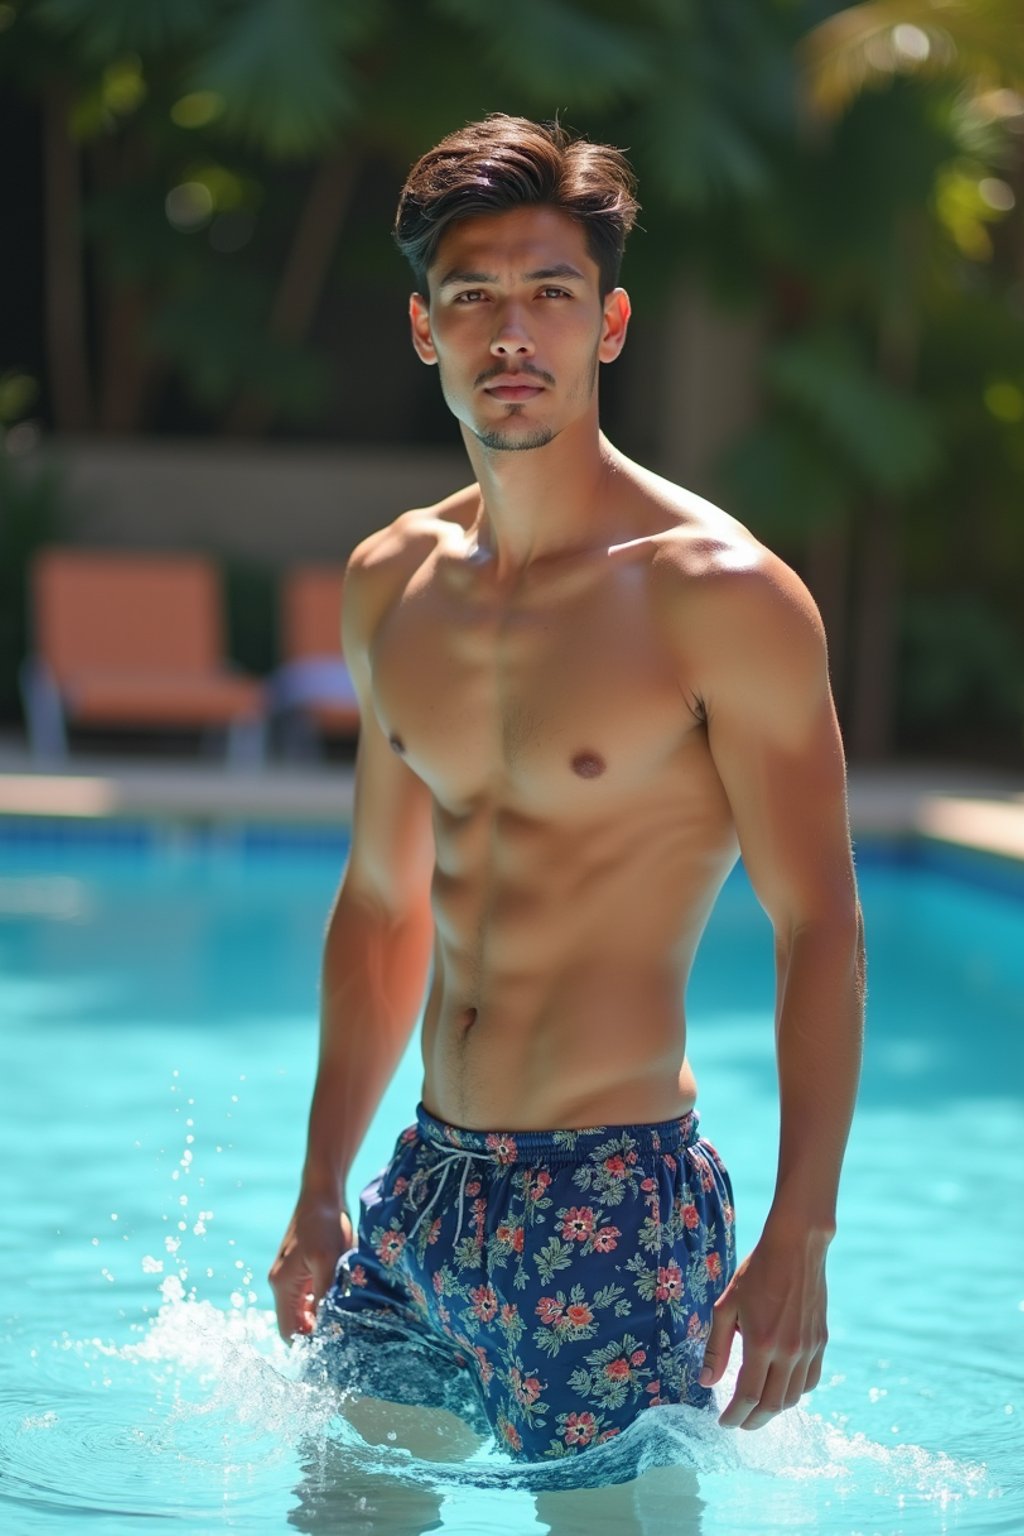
203 335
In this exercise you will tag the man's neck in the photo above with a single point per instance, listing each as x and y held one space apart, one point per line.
540 502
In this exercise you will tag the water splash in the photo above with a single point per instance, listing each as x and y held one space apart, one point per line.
232 1365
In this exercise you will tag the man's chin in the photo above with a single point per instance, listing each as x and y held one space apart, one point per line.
503 441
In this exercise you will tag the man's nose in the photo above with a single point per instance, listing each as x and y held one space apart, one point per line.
512 339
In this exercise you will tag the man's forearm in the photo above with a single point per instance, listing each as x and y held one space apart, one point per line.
374 972
819 1041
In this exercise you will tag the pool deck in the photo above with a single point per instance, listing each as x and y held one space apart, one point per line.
967 807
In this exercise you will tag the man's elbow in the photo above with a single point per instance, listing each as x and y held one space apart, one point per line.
835 925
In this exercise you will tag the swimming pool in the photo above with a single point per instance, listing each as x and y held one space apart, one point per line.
157 1006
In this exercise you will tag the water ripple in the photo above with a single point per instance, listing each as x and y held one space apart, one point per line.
205 1414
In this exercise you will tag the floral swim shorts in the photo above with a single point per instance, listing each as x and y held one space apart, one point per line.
546 1286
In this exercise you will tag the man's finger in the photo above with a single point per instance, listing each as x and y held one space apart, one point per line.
774 1394
292 1284
321 1275
814 1371
719 1345
749 1387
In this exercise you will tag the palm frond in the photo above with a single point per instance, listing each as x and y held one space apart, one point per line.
865 45
889 438
554 53
282 70
103 29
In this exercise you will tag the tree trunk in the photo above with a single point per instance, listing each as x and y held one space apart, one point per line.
305 273
827 572
881 566
126 370
877 633
70 392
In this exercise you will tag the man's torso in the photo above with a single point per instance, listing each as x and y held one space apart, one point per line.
581 829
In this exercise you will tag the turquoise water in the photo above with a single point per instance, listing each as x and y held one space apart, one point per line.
157 1011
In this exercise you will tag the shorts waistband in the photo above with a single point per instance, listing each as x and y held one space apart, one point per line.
559 1146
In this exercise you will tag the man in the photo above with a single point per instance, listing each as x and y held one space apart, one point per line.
584 691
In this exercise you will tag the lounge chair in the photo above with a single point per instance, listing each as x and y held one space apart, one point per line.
311 693
133 640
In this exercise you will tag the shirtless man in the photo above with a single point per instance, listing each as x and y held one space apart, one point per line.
584 692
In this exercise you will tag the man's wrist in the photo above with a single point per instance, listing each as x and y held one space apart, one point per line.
798 1224
322 1185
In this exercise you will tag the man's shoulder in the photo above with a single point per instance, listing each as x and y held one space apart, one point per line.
716 581
379 567
410 537
700 548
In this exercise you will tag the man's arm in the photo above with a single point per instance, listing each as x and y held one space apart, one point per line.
773 734
375 963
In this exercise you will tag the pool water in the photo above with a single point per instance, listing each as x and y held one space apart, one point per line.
157 1011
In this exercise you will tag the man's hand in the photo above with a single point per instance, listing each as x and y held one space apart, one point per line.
318 1234
776 1301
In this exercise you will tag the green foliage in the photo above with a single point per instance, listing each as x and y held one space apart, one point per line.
101 31
860 231
284 73
887 437
214 332
781 479
962 670
553 52
722 104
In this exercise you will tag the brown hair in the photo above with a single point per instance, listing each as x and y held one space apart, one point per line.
507 162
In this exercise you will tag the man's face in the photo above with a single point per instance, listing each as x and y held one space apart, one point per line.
517 326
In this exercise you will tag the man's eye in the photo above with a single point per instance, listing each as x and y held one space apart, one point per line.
556 293
470 296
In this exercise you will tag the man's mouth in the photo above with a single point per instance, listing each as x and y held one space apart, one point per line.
513 388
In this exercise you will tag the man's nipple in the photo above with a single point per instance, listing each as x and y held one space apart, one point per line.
588 765
396 743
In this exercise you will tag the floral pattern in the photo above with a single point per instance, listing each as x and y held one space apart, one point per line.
579 1290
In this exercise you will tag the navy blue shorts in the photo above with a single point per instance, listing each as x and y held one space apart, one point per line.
547 1286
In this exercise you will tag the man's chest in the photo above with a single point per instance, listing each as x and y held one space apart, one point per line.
537 702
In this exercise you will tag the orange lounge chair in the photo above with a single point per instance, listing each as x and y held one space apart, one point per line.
133 640
311 693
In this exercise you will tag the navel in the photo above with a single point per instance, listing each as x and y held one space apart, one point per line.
469 1018
588 765
396 743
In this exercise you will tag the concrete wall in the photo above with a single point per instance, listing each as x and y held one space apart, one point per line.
266 503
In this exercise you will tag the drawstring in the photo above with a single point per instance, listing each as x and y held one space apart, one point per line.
445 1162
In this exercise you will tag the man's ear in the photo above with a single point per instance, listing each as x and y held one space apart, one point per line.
617 311
419 321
